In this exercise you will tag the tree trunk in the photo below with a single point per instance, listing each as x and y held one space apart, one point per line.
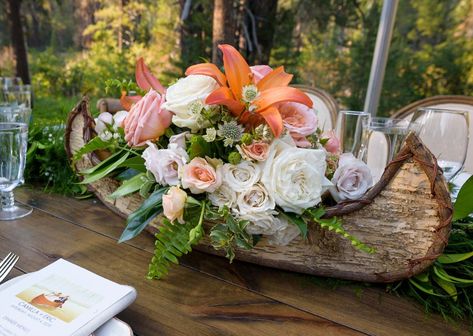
261 25
18 40
224 27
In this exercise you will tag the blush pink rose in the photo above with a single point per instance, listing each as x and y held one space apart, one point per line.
259 71
146 120
298 119
258 151
333 144
200 176
173 204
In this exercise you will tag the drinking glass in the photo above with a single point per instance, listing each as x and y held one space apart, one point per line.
382 139
13 143
349 130
15 113
445 132
7 82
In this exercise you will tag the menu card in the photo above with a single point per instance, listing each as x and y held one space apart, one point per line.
61 299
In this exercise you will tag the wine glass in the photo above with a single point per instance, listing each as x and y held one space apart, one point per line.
13 143
382 140
349 130
446 133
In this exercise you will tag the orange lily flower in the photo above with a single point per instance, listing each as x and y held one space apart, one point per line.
246 100
145 80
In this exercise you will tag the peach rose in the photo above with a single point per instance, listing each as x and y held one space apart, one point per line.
146 120
298 119
333 144
259 71
200 176
258 151
173 204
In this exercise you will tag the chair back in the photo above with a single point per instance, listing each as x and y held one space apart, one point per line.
463 103
325 106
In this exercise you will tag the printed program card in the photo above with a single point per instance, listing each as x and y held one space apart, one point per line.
60 299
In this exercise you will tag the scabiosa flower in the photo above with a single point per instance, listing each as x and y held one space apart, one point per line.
231 132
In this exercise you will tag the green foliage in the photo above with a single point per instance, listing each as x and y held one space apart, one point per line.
297 221
130 186
138 220
464 204
93 145
104 168
336 225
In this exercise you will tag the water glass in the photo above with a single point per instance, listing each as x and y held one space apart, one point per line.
382 140
349 130
7 82
13 143
15 113
16 95
446 133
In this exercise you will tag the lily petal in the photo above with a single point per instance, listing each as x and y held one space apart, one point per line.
274 120
223 96
238 72
128 101
281 94
275 78
145 79
207 69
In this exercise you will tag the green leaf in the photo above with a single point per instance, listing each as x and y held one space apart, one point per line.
93 145
297 221
423 277
464 203
139 219
425 287
441 273
199 147
447 287
136 162
102 164
454 258
98 174
130 186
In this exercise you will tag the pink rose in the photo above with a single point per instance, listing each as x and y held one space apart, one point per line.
301 142
259 71
258 151
199 176
146 120
352 179
298 119
173 204
333 144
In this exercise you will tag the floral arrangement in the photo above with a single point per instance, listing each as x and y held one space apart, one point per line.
240 151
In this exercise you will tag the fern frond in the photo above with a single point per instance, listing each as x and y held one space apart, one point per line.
172 241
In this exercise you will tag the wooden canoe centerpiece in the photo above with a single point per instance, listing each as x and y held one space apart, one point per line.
406 217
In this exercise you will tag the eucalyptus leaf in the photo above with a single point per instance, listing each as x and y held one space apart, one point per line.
139 219
464 203
130 186
98 174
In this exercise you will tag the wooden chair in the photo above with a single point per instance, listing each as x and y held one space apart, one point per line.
464 103
324 104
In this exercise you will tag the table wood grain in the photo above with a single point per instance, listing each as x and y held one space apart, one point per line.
204 295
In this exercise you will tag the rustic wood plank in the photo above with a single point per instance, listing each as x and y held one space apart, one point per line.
374 311
187 302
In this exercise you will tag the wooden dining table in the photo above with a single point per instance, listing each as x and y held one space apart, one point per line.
205 295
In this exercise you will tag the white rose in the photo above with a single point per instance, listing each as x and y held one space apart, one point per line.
255 199
102 122
186 92
260 223
118 119
224 195
179 139
164 164
295 177
241 176
285 232
351 179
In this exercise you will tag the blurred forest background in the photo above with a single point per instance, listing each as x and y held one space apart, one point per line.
74 45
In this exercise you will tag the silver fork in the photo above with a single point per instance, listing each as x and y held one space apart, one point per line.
7 265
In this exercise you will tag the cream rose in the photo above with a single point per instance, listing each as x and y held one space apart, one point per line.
242 176
285 232
184 96
164 164
258 151
255 199
260 223
173 204
200 176
295 177
223 196
352 179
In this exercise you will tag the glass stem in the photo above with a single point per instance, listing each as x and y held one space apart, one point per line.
7 200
